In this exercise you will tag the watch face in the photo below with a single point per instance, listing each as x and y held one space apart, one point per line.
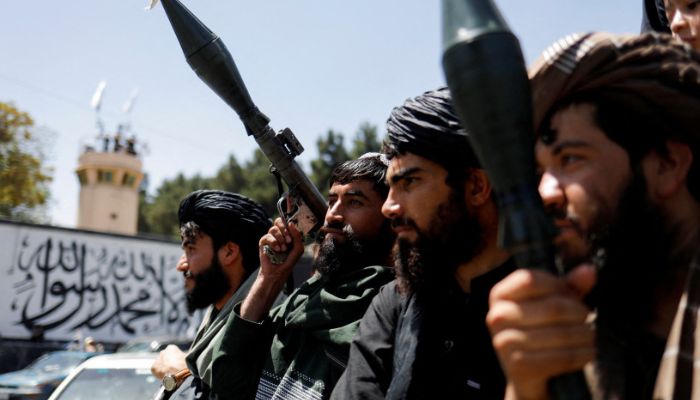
169 382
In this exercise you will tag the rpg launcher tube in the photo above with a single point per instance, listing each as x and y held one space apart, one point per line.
486 74
211 61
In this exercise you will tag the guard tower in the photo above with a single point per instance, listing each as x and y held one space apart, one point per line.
109 182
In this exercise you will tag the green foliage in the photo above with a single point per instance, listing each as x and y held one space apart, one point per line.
365 140
24 177
230 176
158 214
331 152
261 185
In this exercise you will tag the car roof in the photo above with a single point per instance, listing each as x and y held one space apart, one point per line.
108 361
120 360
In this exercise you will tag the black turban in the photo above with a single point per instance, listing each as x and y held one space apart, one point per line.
227 217
428 127
654 17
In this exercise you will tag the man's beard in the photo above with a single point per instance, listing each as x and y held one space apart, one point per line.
635 264
633 256
210 286
335 256
452 238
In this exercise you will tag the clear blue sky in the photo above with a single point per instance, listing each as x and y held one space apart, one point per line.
309 64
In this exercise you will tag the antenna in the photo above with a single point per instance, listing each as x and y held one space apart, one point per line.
96 104
125 126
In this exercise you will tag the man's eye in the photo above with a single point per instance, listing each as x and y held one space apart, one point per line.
568 159
356 203
692 5
408 181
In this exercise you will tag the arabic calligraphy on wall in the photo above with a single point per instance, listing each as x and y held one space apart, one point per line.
112 288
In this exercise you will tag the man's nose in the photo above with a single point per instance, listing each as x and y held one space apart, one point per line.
551 191
182 264
335 213
391 208
678 23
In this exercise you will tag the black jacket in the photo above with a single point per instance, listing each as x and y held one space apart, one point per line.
423 347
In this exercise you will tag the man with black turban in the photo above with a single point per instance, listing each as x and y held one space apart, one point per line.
220 233
424 335
299 349
619 154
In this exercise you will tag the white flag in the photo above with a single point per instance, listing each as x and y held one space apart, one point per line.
97 97
130 103
151 4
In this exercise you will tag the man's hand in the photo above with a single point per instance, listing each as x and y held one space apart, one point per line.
540 328
169 361
272 277
281 239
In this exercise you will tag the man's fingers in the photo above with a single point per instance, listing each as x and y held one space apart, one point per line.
279 223
282 229
544 364
275 239
296 236
544 339
524 284
529 371
582 279
550 311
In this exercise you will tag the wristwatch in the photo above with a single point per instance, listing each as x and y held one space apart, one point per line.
173 381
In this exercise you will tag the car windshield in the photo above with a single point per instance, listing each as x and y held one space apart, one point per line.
137 347
108 384
54 362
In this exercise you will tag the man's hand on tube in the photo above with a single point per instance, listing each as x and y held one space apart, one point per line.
272 277
540 328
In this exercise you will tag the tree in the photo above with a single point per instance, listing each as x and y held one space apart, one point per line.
24 177
331 152
365 140
230 176
160 213
261 185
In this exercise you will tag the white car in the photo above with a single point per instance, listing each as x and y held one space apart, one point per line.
112 376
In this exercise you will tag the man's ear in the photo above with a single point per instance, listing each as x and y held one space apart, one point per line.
666 174
478 187
229 253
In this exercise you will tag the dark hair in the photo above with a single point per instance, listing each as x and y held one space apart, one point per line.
428 127
371 167
225 217
636 126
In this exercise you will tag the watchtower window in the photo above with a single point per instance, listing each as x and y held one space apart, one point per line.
128 180
104 175
82 177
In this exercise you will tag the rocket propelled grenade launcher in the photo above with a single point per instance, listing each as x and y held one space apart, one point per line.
486 74
303 204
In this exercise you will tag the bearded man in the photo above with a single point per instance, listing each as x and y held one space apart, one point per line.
299 350
219 231
617 122
424 335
